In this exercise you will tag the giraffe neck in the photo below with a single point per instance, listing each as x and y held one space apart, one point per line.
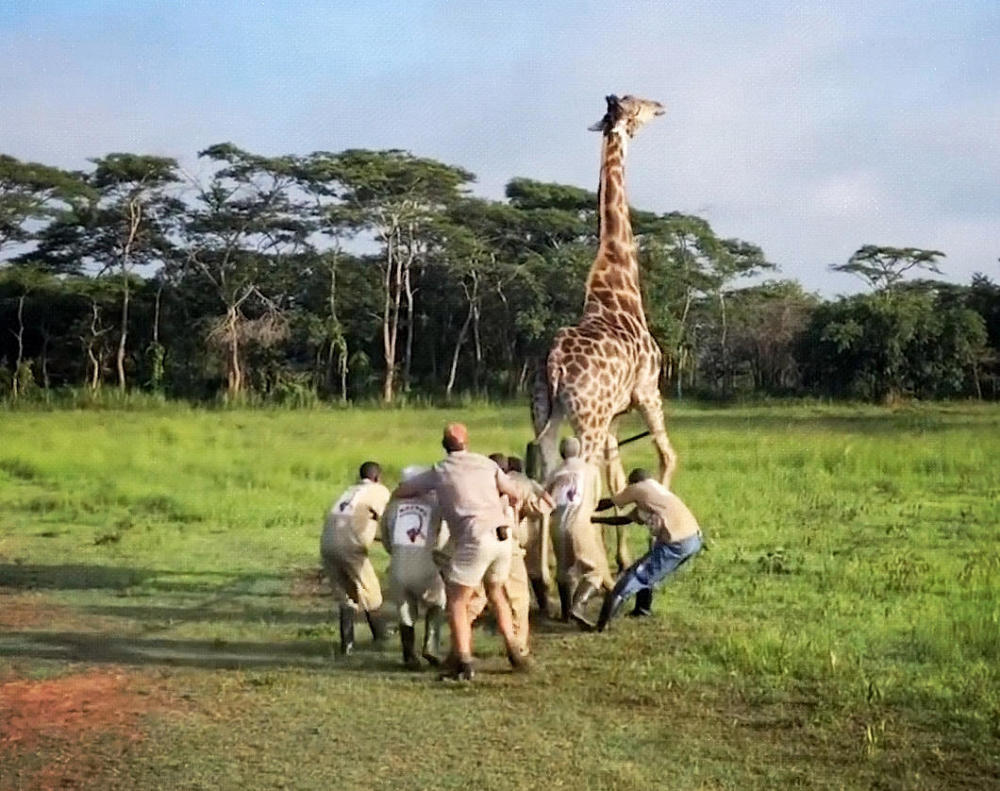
613 283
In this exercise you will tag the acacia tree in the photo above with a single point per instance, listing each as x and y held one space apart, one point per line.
16 285
475 245
394 197
688 272
123 225
884 267
765 322
242 226
33 193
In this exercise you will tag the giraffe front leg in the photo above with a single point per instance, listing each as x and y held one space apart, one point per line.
615 473
651 409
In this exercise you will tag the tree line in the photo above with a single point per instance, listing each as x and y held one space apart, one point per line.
378 274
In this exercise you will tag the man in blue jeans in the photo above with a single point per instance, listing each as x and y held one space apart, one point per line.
676 538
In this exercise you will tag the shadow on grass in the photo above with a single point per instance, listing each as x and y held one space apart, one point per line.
199 613
76 576
98 647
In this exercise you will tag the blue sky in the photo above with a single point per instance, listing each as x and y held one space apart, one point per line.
809 129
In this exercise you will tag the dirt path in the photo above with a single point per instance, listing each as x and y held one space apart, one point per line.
49 727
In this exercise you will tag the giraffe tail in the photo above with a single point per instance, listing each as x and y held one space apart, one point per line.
545 392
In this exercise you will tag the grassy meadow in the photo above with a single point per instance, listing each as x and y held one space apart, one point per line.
840 630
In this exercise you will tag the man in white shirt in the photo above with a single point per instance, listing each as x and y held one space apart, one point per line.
412 532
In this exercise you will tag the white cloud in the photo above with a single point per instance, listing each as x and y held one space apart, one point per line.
847 195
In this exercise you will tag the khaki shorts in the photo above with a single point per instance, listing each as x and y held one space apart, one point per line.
353 580
415 578
483 560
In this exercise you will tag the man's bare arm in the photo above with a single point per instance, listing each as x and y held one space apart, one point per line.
506 486
418 485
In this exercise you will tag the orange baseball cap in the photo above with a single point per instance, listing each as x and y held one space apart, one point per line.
457 433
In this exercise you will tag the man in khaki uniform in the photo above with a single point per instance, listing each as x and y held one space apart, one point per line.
581 560
412 533
536 538
674 531
469 488
350 528
532 500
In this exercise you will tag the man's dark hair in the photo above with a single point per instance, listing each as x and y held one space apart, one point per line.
501 461
639 474
514 464
370 470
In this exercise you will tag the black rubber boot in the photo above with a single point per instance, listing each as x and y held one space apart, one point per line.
378 628
612 604
520 662
459 670
541 591
408 639
643 604
346 630
584 593
432 636
565 601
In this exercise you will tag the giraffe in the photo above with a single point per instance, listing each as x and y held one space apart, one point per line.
608 363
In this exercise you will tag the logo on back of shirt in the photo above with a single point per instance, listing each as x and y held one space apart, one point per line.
411 525
345 505
568 491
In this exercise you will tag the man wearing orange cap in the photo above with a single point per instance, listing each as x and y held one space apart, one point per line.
469 488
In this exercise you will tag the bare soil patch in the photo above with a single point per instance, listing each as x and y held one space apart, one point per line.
62 719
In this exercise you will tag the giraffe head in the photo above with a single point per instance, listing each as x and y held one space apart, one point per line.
627 114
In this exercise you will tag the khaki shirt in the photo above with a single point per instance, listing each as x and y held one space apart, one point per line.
469 488
531 503
575 484
662 511
413 523
352 520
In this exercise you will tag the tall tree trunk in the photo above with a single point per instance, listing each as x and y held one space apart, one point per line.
392 305
156 313
724 349
343 374
476 337
93 361
122 335
15 388
134 221
459 341
234 373
46 341
337 340
408 290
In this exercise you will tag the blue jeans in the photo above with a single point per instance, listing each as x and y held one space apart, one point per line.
655 565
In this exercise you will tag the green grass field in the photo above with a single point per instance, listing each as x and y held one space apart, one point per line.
841 629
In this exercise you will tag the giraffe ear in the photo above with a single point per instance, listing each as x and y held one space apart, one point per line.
599 126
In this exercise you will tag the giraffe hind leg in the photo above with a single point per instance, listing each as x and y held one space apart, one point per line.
651 409
615 476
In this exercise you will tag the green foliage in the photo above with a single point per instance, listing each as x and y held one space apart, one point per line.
884 267
31 192
888 345
344 275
